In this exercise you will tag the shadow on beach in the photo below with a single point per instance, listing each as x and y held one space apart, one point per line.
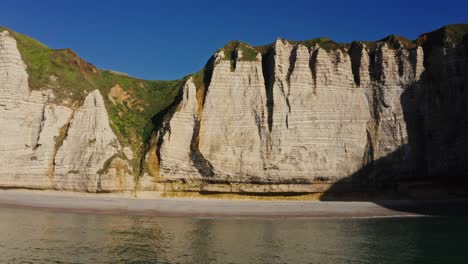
427 175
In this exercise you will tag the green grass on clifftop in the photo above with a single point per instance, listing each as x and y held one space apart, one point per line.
62 71
249 53
324 43
131 102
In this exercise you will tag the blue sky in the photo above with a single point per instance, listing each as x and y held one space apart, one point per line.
170 39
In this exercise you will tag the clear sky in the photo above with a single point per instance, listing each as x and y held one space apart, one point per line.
170 39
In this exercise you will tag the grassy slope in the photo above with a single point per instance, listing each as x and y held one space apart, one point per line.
73 78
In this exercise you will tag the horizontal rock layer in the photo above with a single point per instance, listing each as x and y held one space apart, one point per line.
302 115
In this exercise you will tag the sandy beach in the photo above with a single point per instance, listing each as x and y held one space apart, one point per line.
207 207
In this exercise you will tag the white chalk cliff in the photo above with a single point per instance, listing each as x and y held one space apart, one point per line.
300 117
32 128
288 117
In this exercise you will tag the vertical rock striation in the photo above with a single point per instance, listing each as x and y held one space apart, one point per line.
176 147
320 134
44 145
90 147
445 105
29 124
233 121
301 114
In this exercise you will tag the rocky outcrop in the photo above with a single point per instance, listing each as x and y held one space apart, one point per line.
44 145
83 162
233 121
178 137
319 129
29 124
295 115
391 85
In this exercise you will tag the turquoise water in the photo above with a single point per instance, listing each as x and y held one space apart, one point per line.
34 236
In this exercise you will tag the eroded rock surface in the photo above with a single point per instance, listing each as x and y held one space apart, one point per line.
90 147
28 124
44 145
298 115
175 153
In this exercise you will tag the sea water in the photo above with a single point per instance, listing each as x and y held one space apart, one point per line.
35 236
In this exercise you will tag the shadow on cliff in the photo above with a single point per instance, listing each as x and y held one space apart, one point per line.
403 175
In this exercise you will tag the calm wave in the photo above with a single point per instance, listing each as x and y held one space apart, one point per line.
33 236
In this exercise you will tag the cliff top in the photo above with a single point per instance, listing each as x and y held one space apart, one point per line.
447 35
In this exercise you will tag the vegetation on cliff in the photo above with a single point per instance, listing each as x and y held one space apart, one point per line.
231 49
131 102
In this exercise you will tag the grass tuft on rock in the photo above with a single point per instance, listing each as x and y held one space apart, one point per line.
324 43
231 49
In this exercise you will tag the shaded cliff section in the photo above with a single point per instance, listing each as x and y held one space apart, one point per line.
432 141
435 111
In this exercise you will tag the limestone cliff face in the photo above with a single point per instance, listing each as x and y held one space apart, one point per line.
175 152
29 125
294 115
297 115
233 121
445 108
33 130
90 144
319 116
391 85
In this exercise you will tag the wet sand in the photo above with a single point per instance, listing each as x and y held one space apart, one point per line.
208 207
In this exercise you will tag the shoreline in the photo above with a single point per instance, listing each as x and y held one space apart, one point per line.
119 204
